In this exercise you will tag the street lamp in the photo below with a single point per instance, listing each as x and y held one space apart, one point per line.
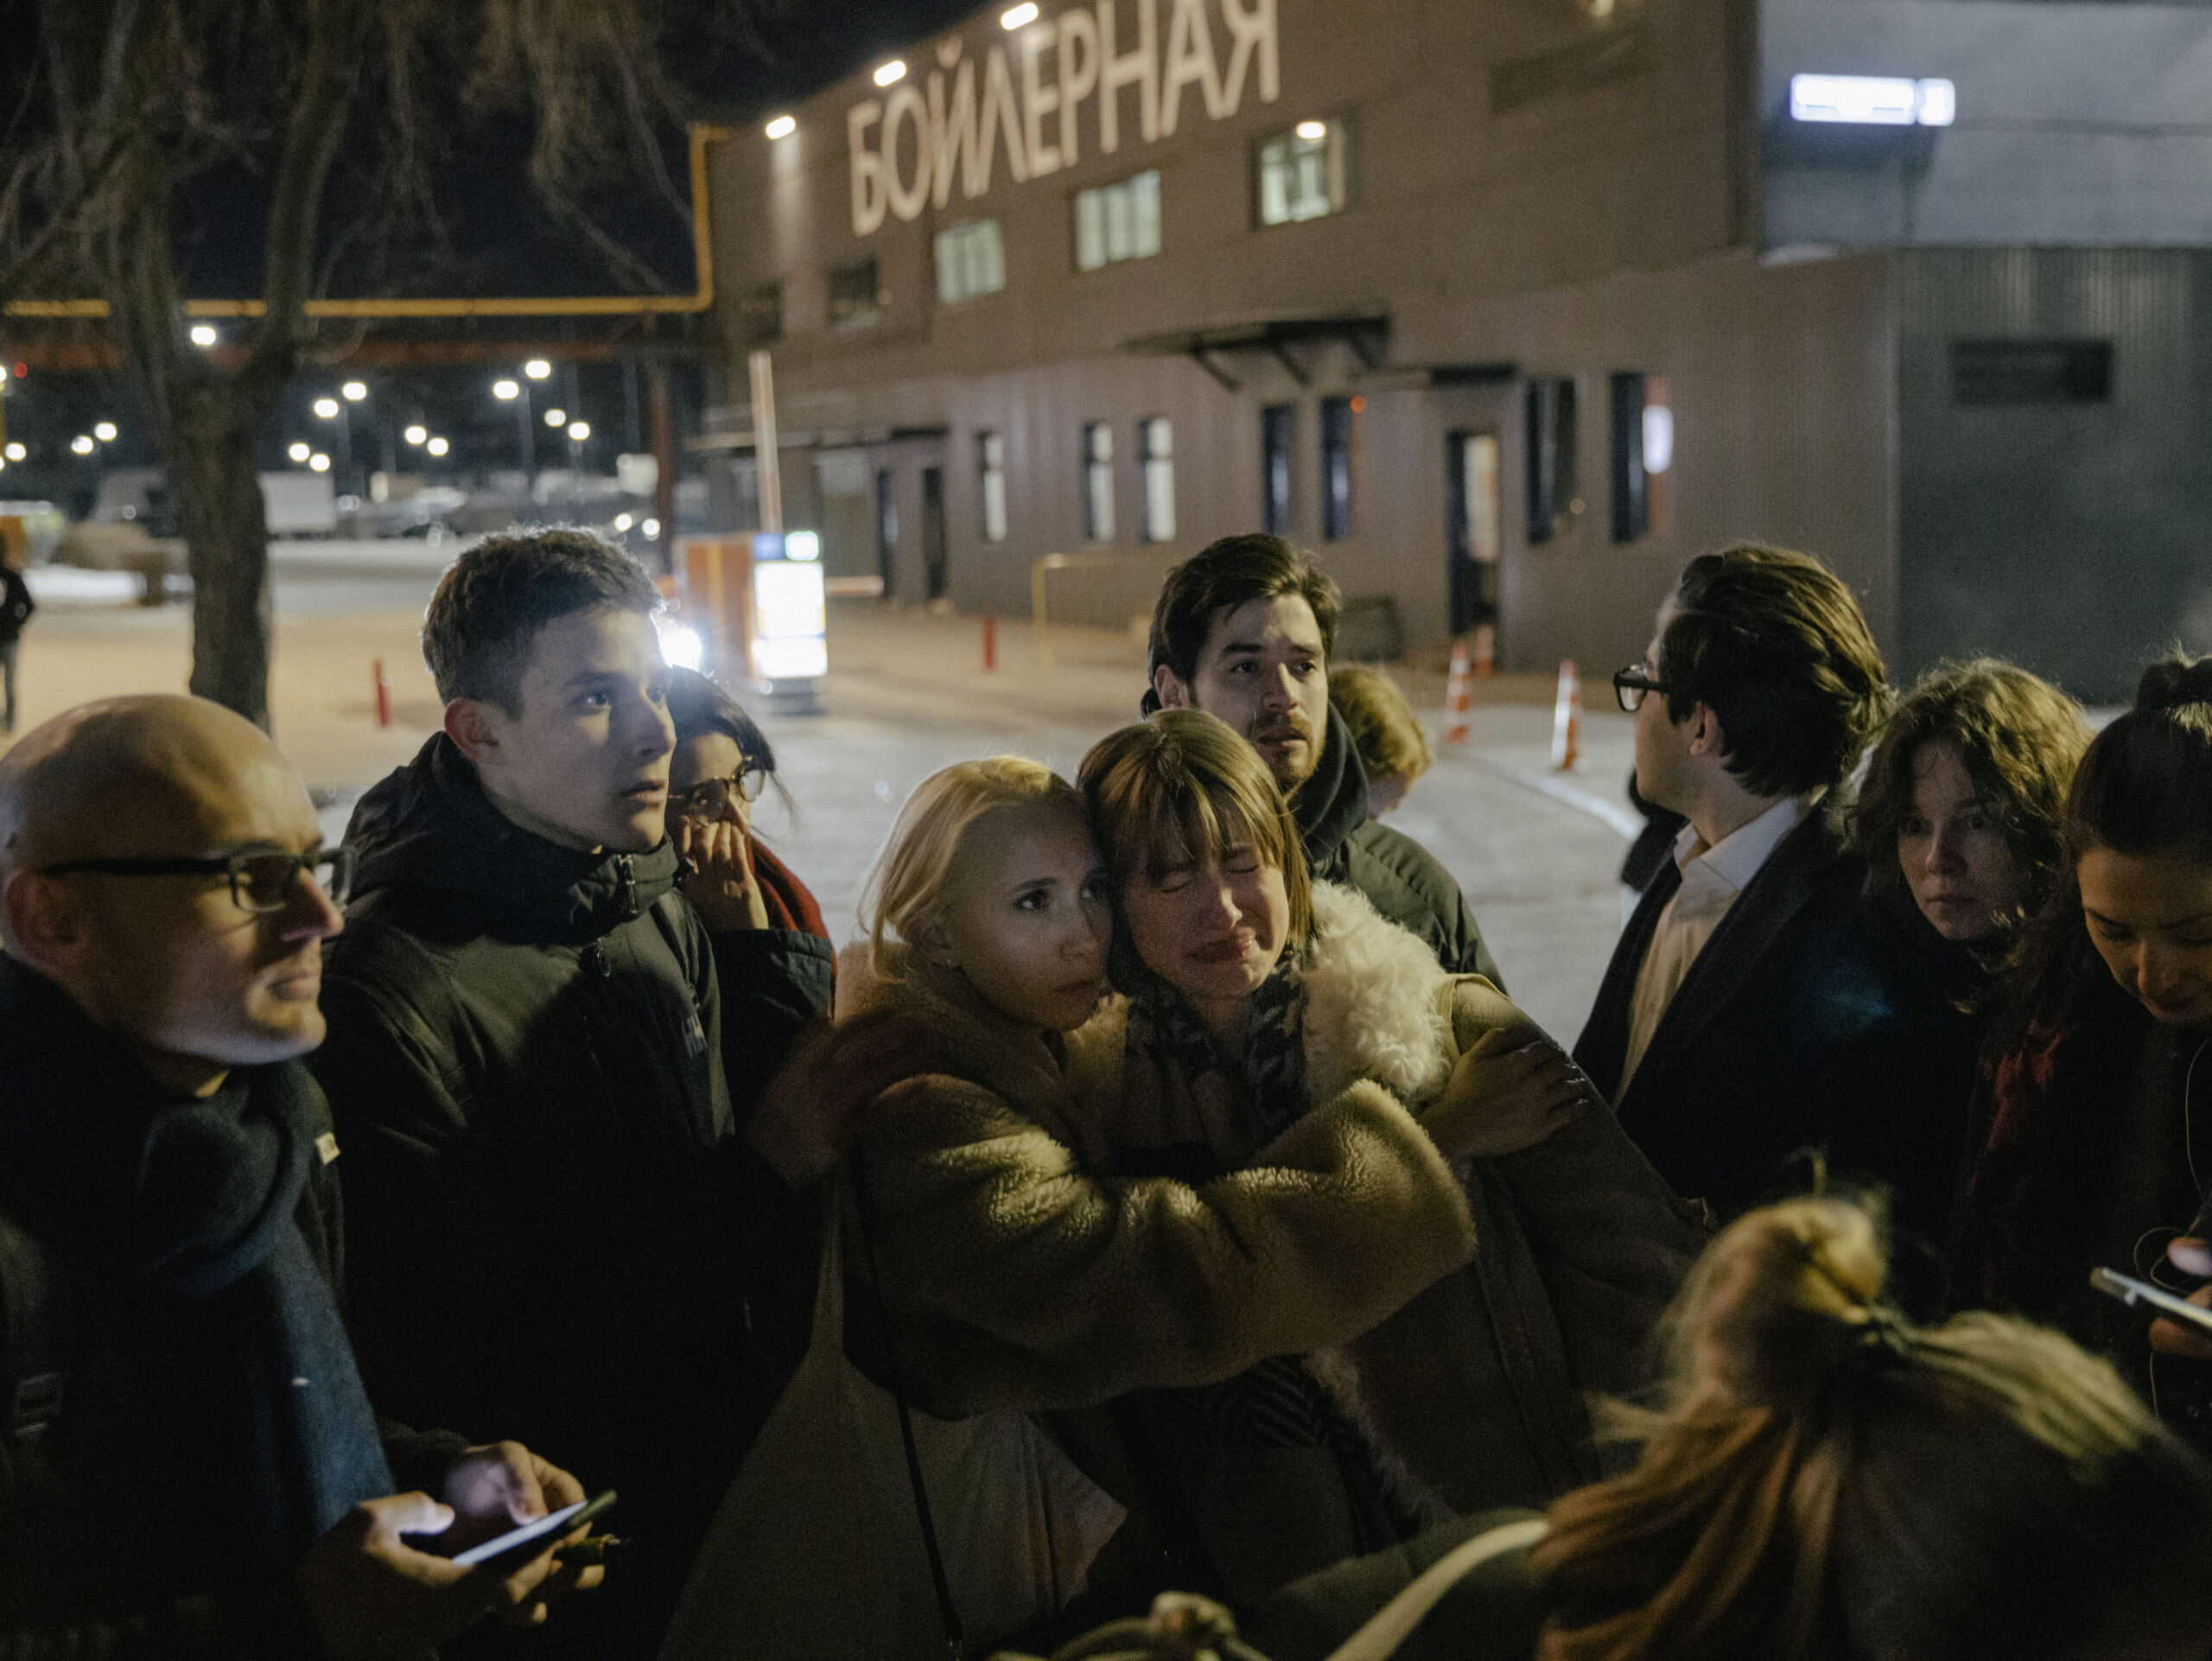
82 444
437 447
299 452
204 335
17 452
537 369
331 410
326 408
415 435
353 391
517 393
556 418
579 431
319 462
105 431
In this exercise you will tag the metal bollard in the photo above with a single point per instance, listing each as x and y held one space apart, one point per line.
990 641
382 694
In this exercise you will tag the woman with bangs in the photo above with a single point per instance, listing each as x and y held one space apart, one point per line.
1256 994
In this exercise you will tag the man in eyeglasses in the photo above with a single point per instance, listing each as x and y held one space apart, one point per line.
188 1462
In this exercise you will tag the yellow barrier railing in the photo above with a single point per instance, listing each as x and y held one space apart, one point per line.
1038 570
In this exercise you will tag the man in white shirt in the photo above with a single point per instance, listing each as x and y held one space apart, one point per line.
1753 1010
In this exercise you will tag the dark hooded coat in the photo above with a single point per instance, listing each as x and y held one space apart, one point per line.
541 1064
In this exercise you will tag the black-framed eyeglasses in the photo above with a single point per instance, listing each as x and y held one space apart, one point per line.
261 879
1630 685
712 797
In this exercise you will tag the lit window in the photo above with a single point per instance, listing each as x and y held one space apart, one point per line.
1098 481
1301 173
970 261
854 299
1336 467
1278 433
1156 446
990 464
1116 222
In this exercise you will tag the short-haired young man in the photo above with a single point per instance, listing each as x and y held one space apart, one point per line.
543 1063
1753 1010
1243 630
189 1465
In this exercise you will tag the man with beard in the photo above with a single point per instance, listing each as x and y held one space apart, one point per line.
1243 630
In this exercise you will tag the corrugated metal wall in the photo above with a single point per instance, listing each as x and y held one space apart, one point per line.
2075 537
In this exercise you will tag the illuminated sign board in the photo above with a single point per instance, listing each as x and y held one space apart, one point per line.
790 622
1873 100
909 148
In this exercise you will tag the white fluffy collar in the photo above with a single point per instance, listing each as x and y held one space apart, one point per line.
1377 1002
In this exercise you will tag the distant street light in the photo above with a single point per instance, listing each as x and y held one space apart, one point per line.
300 452
555 418
537 369
105 431
504 389
579 431
1312 132
622 523
519 395
437 447
82 444
353 391
326 408
204 335
783 126
17 452
651 528
894 71
319 462
415 435
1019 16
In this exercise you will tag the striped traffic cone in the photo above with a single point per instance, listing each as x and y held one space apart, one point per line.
1567 719
1455 696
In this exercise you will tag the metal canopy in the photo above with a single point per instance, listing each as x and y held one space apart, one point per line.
1368 335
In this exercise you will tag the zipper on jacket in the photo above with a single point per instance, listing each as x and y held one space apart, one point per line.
626 886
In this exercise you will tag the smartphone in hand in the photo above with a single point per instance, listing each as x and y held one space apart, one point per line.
2133 1292
519 1545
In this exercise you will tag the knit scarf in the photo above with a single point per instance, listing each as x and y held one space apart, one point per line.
256 1432
1269 1081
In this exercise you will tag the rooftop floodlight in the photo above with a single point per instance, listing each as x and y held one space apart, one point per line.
204 335
505 389
319 462
326 408
894 71
415 435
1312 132
105 431
437 447
783 126
1019 16
1872 100
300 452
579 430
82 444
537 369
353 391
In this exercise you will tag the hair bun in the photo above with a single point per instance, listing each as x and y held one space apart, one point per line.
2174 681
1781 1300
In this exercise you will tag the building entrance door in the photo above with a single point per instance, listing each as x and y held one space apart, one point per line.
935 578
1474 528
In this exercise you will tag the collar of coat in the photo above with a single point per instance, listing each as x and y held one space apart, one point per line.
1377 1002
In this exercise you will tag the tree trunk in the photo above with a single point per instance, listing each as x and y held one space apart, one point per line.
212 480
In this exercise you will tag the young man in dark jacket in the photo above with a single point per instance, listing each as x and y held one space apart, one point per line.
1243 630
188 1463
1753 1009
544 1062
15 608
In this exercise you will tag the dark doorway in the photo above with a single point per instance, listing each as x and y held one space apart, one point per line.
1475 532
1278 436
934 576
886 527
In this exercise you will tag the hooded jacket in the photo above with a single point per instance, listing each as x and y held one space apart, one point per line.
541 1064
1405 882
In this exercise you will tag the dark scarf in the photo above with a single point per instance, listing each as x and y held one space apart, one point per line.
256 1434
1270 1080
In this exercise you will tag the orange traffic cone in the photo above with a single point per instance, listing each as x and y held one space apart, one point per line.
1567 719
1455 696
1485 650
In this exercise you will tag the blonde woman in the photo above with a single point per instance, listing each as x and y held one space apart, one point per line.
1019 1270
1258 995
1824 1481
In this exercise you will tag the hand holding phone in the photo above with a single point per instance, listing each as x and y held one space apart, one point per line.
2133 1292
519 1545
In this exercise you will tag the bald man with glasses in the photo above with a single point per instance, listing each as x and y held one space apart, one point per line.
188 1463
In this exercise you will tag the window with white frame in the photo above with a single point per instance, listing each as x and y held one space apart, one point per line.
970 261
1156 453
1098 481
990 464
1301 174
1117 222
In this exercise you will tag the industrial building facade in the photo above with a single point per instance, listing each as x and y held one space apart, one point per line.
1503 308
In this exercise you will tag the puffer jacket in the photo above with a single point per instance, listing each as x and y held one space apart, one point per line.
541 1064
1471 1394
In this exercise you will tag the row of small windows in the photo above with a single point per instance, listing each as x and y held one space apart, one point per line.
1155 451
1279 439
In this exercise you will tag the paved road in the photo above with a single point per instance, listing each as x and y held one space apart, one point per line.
1537 853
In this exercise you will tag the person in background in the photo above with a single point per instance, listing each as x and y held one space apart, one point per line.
1957 824
1753 1010
1243 630
189 1465
1822 1480
1394 752
1255 996
15 608
2095 1073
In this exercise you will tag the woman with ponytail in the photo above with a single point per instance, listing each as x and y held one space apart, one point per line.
2085 1151
1820 1480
